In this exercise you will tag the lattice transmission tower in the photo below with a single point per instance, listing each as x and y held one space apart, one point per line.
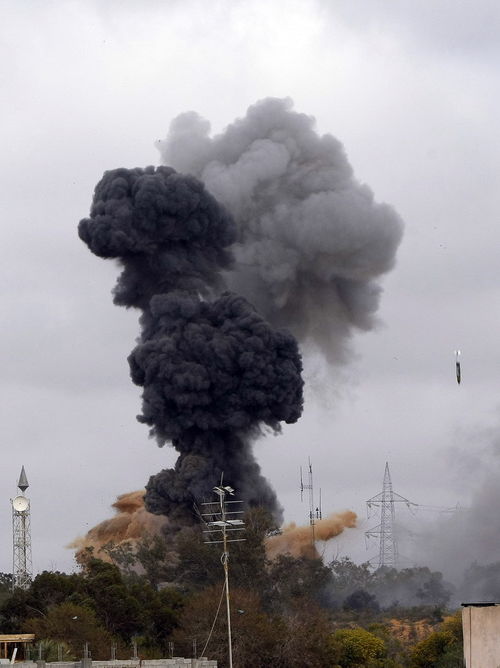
21 536
388 547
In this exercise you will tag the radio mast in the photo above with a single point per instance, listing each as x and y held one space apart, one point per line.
314 512
21 536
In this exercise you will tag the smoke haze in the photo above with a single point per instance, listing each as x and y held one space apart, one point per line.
464 544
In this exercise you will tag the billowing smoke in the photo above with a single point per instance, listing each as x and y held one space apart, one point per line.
130 524
166 230
212 373
311 240
297 540
271 212
213 370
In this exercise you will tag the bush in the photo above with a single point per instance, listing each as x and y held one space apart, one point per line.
357 648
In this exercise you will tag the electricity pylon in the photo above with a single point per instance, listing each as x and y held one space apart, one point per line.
388 547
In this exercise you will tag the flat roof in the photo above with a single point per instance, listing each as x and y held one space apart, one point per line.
17 637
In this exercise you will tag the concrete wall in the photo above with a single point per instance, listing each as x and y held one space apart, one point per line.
176 662
481 626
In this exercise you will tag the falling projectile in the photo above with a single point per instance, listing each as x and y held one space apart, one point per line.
457 366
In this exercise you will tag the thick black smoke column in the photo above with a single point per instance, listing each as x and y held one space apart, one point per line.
212 369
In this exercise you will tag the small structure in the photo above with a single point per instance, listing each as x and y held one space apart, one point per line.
481 627
9 644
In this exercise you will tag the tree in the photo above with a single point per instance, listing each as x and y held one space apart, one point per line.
74 625
158 559
50 588
357 648
160 616
6 580
409 587
111 600
254 633
294 578
441 649
198 564
248 559
305 637
360 600
396 654
18 607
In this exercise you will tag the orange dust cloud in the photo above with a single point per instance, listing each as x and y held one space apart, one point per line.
131 522
297 540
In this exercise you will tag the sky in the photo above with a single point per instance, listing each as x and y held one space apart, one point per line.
411 91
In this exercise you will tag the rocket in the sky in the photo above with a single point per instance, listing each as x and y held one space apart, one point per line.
457 366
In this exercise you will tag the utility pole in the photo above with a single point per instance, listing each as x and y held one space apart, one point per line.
220 518
388 548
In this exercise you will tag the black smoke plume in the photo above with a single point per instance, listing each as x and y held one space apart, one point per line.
277 217
213 370
167 231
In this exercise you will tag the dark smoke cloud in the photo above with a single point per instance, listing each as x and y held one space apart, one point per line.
214 366
214 372
166 229
312 241
271 211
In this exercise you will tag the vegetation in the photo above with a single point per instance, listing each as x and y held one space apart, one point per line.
290 612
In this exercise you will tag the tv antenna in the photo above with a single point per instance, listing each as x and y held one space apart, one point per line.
222 519
314 512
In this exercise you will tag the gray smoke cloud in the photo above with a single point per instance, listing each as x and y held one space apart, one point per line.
311 240
214 372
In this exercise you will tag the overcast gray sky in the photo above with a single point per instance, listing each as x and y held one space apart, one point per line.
410 89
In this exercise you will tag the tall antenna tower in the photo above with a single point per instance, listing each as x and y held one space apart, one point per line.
223 518
314 512
388 548
21 536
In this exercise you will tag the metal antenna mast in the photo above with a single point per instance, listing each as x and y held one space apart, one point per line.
314 513
388 548
21 536
220 518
